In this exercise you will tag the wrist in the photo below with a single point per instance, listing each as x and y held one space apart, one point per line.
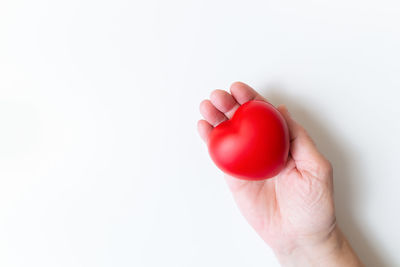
332 249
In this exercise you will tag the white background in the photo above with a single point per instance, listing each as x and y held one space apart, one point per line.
100 162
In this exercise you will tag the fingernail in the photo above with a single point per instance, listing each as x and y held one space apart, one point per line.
286 110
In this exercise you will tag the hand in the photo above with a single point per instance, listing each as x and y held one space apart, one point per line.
293 212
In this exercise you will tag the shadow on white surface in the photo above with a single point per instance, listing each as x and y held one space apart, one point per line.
348 196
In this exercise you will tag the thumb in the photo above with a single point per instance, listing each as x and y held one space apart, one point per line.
302 148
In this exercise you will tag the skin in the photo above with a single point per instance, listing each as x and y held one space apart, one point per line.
294 211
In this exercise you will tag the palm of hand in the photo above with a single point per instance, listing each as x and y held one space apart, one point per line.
294 207
287 208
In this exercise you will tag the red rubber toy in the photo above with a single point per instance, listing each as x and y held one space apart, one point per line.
253 144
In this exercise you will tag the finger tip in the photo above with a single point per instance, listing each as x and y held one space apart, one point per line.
202 123
224 102
243 93
204 129
282 107
283 110
237 85
204 105
217 96
216 93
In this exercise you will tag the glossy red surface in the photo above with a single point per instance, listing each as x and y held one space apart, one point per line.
253 144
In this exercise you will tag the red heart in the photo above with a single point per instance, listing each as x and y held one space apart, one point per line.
253 144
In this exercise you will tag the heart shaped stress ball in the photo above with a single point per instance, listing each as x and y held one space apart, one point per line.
253 144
